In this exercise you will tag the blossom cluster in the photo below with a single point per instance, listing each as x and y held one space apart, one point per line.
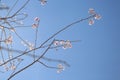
36 23
64 44
12 65
28 44
96 17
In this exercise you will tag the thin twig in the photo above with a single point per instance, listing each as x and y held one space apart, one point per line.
12 8
47 65
56 60
36 37
20 8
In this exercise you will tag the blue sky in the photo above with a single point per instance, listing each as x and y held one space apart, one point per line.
95 57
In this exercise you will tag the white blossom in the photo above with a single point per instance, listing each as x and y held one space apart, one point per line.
23 43
67 44
91 22
60 68
28 44
56 43
34 25
12 67
62 42
36 19
91 11
43 2
31 46
97 16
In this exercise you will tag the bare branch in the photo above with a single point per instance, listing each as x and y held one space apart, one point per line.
56 60
47 65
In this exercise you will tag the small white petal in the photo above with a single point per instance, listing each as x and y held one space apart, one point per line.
91 11
60 68
36 19
34 25
91 22
56 43
62 42
43 2
97 16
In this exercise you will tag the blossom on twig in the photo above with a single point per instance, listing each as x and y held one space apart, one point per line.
97 16
91 11
8 40
28 44
36 23
65 44
12 67
43 2
91 22
60 68
36 19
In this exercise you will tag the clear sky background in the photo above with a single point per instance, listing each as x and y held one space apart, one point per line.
95 57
